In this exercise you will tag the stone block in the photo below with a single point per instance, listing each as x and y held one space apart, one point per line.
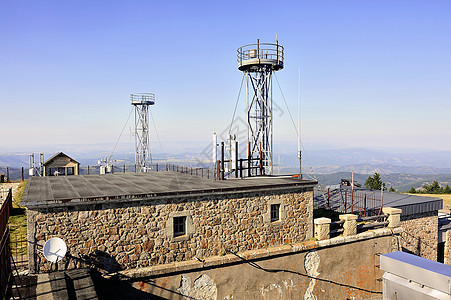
322 228
350 224
394 216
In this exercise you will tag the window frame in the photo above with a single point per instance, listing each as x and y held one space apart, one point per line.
275 212
179 226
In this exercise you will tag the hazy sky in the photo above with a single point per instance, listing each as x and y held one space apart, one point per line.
373 73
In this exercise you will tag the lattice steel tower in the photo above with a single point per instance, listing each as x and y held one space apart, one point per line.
141 102
258 62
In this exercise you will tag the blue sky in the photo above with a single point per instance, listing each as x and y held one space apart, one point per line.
373 73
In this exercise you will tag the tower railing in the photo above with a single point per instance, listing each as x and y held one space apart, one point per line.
261 53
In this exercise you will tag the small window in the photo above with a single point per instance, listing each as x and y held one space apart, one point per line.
179 226
70 170
275 208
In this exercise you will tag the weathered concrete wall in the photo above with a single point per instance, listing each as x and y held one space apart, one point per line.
420 234
138 234
345 270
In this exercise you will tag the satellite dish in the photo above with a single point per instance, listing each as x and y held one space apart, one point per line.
54 249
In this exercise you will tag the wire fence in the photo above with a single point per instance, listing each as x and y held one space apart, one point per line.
8 174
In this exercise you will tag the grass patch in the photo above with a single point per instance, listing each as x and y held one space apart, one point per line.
18 222
446 198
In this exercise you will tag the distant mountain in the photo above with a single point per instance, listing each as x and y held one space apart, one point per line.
381 169
400 181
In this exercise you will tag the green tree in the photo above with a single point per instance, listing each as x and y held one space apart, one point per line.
375 182
434 188
412 190
392 189
447 190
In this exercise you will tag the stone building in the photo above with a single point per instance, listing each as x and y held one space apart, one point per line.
148 219
61 165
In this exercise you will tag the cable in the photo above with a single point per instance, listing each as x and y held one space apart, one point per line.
126 122
236 104
158 136
295 128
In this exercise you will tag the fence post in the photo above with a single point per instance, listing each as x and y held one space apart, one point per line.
7 174
346 200
157 167
112 169
22 175
364 204
249 159
322 228
241 168
124 168
350 225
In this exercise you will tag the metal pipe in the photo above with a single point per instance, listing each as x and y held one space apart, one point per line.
236 159
222 160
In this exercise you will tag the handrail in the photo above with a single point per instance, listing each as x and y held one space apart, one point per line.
255 51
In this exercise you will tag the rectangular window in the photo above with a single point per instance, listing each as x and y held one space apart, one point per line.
275 208
179 226
70 170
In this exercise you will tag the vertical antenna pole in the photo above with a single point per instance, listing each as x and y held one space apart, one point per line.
222 161
299 126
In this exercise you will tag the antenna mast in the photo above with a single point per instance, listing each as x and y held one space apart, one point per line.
141 102
258 62
299 127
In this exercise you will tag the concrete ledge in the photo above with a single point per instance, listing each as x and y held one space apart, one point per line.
216 261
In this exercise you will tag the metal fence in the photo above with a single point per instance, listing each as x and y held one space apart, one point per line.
363 224
5 250
348 201
19 251
157 167
9 174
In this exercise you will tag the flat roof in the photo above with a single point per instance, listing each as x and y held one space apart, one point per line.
57 190
409 204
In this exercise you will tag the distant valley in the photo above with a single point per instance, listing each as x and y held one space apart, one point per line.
400 170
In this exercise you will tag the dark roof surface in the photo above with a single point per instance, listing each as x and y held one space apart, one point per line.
82 188
409 204
58 154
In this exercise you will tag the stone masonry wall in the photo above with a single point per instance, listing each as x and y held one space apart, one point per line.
420 234
447 254
139 234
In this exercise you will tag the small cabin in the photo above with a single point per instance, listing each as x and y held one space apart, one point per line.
61 165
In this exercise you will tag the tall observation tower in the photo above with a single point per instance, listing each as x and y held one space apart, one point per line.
258 62
141 102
